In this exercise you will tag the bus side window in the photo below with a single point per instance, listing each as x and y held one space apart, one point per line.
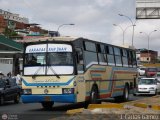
134 59
129 58
80 61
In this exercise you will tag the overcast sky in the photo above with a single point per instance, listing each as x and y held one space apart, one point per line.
93 19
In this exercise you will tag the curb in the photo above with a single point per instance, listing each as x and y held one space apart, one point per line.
94 106
142 105
74 111
110 105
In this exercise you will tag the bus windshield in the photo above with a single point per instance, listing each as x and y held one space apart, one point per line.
57 58
63 58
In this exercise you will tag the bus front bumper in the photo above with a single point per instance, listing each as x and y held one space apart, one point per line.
63 98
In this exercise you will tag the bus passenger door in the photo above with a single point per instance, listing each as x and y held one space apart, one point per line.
81 89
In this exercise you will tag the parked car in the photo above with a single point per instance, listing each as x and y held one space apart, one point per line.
151 71
9 90
148 86
141 70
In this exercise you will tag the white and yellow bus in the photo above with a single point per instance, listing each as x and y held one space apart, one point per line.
71 70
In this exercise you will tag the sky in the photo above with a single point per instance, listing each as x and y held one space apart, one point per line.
93 19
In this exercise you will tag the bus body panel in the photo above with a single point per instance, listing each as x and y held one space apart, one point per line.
110 80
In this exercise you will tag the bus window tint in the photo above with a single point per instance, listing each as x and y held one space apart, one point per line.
134 59
90 46
60 58
117 56
124 58
110 56
129 58
35 59
101 54
90 58
102 58
80 62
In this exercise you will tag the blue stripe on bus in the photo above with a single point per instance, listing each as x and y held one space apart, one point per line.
63 98
47 84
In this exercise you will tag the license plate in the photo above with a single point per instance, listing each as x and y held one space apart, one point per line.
47 98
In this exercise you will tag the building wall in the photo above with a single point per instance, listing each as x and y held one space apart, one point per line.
5 68
15 17
3 24
149 57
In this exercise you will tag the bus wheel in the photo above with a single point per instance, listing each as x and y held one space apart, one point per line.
47 105
125 96
94 95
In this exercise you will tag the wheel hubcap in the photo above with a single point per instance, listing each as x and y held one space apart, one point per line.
93 95
126 91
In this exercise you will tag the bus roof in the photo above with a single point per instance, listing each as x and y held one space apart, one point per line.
61 38
66 38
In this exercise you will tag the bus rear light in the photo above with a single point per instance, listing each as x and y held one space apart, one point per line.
27 91
67 90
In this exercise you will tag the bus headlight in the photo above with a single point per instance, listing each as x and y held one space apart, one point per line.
67 90
27 91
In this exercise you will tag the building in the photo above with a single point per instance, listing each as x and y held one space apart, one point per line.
19 25
9 50
144 55
13 17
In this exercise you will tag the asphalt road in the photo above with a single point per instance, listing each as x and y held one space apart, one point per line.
36 112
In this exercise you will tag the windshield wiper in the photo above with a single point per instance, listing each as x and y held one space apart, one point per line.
54 72
34 75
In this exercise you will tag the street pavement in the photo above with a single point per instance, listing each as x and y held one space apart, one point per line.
35 111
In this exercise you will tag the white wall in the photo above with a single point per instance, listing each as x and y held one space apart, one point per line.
5 68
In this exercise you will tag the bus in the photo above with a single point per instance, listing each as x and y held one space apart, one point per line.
71 70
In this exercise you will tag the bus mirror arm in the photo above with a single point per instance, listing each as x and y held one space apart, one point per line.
77 57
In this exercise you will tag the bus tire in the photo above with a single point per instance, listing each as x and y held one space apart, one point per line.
94 95
125 96
126 93
47 105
